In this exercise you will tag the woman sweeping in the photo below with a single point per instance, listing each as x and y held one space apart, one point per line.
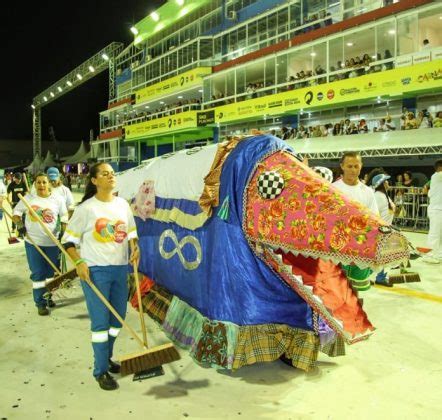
52 211
102 226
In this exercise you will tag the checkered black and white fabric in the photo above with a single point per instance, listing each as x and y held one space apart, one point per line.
326 173
270 184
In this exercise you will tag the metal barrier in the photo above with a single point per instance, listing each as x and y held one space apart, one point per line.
411 207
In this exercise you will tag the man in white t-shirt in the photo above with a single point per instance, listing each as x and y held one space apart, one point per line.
352 187
435 216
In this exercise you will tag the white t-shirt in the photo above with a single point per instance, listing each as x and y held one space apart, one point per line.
359 192
385 212
102 230
435 193
51 210
63 191
3 191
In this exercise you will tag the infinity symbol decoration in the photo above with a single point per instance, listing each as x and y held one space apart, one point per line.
179 245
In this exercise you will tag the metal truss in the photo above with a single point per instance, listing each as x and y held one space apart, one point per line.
102 60
36 131
398 151
81 74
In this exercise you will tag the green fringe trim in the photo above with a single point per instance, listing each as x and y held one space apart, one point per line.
223 212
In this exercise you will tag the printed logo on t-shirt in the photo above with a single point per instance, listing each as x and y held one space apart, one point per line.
110 231
46 215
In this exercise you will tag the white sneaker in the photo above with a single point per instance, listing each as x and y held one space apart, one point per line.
430 260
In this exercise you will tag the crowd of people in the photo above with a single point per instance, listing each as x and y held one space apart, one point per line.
164 110
407 121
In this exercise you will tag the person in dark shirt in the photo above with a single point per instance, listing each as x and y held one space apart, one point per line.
17 186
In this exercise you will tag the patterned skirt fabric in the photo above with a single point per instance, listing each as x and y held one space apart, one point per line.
226 345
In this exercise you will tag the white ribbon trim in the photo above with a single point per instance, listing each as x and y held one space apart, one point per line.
99 336
113 332
39 284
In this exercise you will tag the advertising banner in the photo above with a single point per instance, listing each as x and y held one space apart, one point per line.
415 78
174 84
161 125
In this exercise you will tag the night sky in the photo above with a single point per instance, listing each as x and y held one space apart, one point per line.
43 41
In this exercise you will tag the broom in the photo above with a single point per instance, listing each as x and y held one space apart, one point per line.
149 373
135 362
11 239
404 276
56 281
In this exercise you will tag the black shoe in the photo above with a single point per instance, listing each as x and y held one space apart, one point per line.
114 367
51 303
42 310
107 382
384 283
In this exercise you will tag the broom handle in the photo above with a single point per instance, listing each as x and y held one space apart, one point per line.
43 254
140 306
7 225
88 281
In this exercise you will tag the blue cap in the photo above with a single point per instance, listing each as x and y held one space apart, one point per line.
379 179
53 174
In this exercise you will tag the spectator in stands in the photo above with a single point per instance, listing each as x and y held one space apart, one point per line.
362 128
424 119
285 133
399 180
346 127
435 216
409 181
426 44
410 121
389 123
293 133
353 129
377 67
337 131
437 121
388 55
381 126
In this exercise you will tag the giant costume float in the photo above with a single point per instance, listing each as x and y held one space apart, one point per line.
241 245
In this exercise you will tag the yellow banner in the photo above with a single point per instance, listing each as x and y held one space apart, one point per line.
177 83
395 82
161 125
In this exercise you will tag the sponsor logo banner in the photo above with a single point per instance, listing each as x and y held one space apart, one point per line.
174 84
163 125
404 79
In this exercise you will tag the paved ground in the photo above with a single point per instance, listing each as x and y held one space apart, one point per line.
45 364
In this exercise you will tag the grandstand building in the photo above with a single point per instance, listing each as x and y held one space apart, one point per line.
200 70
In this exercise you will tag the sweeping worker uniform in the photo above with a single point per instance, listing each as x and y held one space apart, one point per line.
52 212
102 230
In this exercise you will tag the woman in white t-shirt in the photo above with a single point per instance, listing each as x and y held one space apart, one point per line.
386 211
53 213
102 226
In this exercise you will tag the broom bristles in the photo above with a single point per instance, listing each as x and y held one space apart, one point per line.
13 240
148 359
404 278
58 280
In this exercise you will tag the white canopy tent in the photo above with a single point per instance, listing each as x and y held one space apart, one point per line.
49 160
77 157
35 166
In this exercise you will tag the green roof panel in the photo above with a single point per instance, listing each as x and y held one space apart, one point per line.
169 13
